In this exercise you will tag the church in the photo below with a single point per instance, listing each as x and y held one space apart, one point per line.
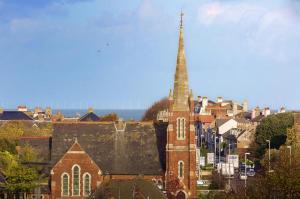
146 159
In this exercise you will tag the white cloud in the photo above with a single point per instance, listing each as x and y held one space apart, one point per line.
146 9
269 31
218 12
23 24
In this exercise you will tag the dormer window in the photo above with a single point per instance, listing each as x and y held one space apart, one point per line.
180 128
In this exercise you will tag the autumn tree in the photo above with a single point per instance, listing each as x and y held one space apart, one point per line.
153 110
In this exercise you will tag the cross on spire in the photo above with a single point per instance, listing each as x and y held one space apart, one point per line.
181 16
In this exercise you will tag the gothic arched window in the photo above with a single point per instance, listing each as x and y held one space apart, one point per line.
86 184
65 184
180 169
180 128
76 180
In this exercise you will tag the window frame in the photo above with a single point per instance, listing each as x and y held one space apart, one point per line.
84 183
180 168
180 128
62 184
79 169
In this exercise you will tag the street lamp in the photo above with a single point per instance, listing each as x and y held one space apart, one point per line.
246 171
269 154
229 166
290 148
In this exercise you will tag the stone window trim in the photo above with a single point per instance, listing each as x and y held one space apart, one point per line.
79 169
180 128
62 184
84 185
180 169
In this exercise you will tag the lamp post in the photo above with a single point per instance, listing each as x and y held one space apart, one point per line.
219 149
246 171
229 167
290 148
269 154
215 155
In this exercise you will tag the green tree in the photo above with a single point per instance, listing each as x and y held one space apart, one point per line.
283 182
8 162
11 130
21 180
28 154
273 128
8 145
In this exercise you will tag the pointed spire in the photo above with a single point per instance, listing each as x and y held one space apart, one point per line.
181 87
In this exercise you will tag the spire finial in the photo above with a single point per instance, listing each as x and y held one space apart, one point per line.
181 16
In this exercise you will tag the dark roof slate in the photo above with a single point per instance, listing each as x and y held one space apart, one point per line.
127 189
133 151
89 117
14 115
41 145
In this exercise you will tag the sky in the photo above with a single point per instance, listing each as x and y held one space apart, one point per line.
116 54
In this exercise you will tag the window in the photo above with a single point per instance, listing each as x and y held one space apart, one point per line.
180 169
86 184
76 180
64 184
180 128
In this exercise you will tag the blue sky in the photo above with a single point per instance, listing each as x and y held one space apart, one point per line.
122 54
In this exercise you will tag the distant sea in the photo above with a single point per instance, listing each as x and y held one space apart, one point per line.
126 114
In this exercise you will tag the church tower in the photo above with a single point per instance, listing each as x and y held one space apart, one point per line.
181 148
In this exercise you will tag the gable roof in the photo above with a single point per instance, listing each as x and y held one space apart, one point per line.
220 122
14 115
128 188
205 118
132 151
91 116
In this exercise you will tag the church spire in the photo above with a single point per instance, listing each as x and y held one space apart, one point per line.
181 87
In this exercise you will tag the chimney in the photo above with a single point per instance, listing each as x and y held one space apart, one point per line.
199 99
235 108
219 99
267 112
90 110
281 110
245 105
204 102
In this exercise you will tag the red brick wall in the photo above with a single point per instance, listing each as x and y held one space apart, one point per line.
65 165
183 150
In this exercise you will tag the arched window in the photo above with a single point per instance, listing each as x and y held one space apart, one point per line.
76 180
180 169
180 128
65 184
86 184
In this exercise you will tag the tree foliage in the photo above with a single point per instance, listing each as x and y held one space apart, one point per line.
273 128
28 154
8 145
152 111
283 182
111 117
18 178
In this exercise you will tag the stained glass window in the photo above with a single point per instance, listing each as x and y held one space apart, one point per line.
76 181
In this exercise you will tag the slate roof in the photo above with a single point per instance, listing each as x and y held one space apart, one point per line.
14 115
41 145
258 118
126 189
220 122
132 151
89 117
